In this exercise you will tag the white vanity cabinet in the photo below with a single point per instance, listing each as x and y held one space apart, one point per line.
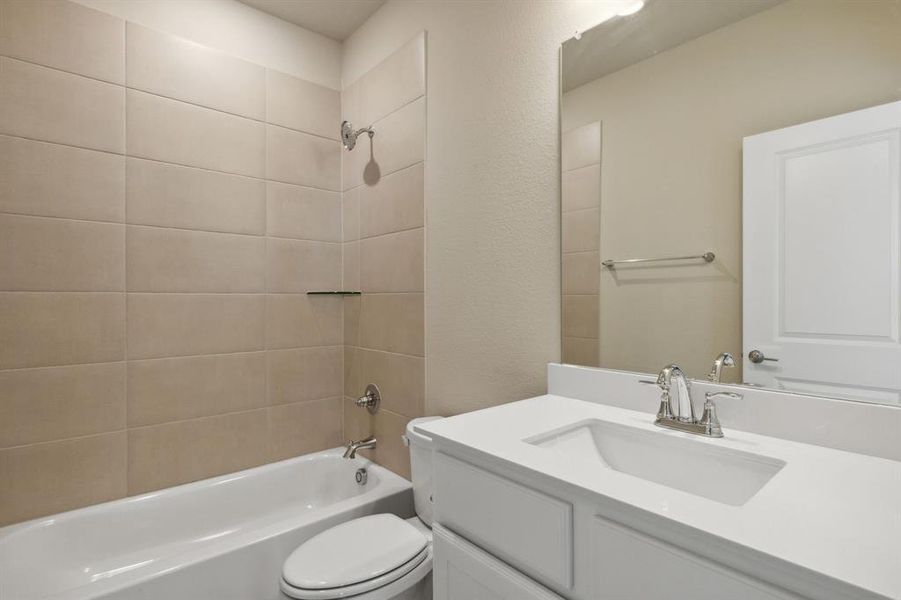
498 537
462 571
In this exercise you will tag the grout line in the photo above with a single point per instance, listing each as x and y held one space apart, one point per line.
388 174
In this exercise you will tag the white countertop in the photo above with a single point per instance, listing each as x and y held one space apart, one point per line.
834 513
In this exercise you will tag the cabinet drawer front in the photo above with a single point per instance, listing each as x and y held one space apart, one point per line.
528 529
464 572
627 564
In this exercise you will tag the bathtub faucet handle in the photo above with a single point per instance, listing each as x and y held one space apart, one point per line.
370 399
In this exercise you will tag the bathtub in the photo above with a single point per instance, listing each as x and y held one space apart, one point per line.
218 539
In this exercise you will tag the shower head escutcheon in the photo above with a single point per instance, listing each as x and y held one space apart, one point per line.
349 136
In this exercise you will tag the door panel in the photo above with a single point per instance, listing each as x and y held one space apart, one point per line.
822 256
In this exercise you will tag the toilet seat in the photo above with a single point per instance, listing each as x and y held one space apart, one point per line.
356 557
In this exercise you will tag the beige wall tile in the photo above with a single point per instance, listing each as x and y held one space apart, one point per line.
175 196
45 104
177 260
53 403
581 273
296 266
581 230
177 132
174 389
393 262
64 35
296 429
580 351
177 68
357 423
393 322
394 204
351 110
302 159
580 316
298 320
46 329
302 105
44 479
172 453
350 207
400 378
303 213
350 267
399 142
161 325
582 188
303 374
581 146
396 81
352 307
37 178
41 254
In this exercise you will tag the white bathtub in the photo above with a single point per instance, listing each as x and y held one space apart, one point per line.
219 539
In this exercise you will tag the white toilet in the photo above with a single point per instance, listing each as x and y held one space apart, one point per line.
379 557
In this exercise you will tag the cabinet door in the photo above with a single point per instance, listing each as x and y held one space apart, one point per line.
628 565
462 571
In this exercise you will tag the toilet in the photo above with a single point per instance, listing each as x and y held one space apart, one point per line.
377 557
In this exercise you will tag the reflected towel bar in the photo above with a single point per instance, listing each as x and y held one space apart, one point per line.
334 293
706 257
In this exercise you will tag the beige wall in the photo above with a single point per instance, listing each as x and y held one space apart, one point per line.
671 174
159 225
384 251
492 187
239 30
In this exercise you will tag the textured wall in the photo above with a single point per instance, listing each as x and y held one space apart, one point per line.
492 187
160 223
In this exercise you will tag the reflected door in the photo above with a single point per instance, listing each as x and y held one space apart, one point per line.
821 256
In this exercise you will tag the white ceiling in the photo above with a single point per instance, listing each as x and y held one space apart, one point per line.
336 19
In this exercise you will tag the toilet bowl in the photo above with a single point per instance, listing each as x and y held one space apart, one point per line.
377 557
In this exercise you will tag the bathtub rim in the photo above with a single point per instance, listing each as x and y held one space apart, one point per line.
389 484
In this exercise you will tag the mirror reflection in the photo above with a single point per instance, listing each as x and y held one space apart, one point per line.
730 177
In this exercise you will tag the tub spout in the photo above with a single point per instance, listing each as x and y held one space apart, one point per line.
364 444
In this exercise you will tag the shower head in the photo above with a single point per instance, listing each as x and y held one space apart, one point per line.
349 136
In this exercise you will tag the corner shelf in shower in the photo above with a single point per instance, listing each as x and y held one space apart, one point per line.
334 293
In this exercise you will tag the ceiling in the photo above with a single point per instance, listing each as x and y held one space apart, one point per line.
335 19
662 24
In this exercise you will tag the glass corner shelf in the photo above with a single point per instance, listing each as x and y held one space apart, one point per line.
335 293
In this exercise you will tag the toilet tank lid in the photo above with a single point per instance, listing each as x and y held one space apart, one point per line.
416 437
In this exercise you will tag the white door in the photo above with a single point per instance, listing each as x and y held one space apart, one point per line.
821 256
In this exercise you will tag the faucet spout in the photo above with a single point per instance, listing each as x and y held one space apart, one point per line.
364 444
723 360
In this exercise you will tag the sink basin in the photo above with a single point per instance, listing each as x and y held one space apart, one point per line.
718 473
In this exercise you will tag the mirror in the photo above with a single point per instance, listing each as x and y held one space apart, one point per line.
752 150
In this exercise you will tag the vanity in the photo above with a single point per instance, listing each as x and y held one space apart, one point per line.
577 494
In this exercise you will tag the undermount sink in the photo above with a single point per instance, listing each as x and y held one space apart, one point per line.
718 473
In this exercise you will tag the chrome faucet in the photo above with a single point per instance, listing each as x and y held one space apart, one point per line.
364 444
681 417
723 360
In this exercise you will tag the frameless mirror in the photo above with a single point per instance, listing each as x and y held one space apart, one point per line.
730 176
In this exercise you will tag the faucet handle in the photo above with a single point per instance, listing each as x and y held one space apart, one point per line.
709 420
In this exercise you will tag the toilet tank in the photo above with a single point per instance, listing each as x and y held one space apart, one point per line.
420 446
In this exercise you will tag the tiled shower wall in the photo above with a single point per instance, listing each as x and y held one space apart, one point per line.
581 196
384 250
163 209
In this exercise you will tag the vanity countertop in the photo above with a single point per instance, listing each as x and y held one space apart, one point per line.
830 515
